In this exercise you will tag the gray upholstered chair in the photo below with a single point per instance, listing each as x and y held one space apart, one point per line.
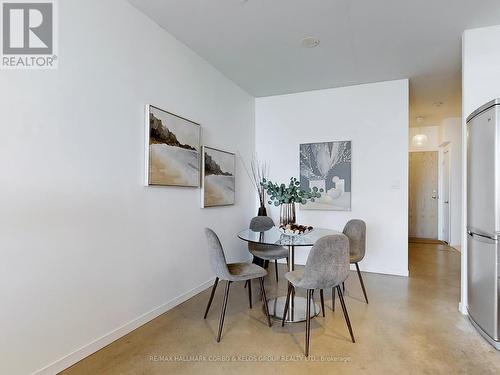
266 252
355 230
231 272
327 267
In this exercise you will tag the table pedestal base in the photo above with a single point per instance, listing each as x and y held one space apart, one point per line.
296 314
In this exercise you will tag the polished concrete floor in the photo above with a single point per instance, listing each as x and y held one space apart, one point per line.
411 326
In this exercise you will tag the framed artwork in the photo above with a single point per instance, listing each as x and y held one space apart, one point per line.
218 177
173 149
327 166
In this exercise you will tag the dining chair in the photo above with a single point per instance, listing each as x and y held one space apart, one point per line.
266 252
230 272
327 266
355 230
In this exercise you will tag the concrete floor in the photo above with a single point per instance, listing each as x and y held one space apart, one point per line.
411 326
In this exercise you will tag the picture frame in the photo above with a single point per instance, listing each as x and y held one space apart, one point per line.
327 166
172 149
218 177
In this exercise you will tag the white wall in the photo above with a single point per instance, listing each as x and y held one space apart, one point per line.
480 84
86 249
375 118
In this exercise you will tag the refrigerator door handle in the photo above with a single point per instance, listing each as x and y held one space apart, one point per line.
474 232
481 237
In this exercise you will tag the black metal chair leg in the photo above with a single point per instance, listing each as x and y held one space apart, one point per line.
266 308
346 315
287 302
276 268
246 283
333 299
223 311
211 297
322 302
266 264
250 293
361 281
308 321
343 286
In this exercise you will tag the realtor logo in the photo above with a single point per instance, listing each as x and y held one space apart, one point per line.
28 34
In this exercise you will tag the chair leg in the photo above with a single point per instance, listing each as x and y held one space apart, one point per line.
322 302
211 297
308 321
276 268
346 315
343 286
246 283
361 281
333 299
287 263
266 308
266 264
223 311
250 293
287 303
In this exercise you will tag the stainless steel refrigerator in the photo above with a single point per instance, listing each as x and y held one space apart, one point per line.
483 219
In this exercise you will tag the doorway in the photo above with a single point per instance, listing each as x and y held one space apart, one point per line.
423 196
446 197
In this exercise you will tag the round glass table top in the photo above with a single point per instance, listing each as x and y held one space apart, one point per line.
274 236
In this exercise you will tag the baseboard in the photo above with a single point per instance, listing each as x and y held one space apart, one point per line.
462 308
92 347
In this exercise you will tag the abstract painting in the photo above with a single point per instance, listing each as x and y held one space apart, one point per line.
218 180
172 149
327 166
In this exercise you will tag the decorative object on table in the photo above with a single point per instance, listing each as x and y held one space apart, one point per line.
288 196
295 229
260 172
172 149
327 166
218 182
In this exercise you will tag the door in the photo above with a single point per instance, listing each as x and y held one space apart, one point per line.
423 207
481 155
445 197
482 282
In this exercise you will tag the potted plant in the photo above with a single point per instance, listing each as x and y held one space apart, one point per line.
287 196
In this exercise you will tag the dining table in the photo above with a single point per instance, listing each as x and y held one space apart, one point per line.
275 236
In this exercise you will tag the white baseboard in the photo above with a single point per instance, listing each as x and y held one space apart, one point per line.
99 343
462 308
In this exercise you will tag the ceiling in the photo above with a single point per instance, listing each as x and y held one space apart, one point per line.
257 43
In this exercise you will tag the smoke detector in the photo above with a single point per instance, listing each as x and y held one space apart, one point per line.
437 104
420 119
310 42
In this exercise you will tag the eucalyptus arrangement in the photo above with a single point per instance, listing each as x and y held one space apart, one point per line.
286 197
280 193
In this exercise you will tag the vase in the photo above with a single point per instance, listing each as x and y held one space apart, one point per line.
262 211
287 213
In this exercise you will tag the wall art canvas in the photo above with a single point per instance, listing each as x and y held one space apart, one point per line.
173 151
218 182
327 166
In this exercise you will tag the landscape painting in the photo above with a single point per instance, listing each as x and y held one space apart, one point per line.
327 166
172 150
218 177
